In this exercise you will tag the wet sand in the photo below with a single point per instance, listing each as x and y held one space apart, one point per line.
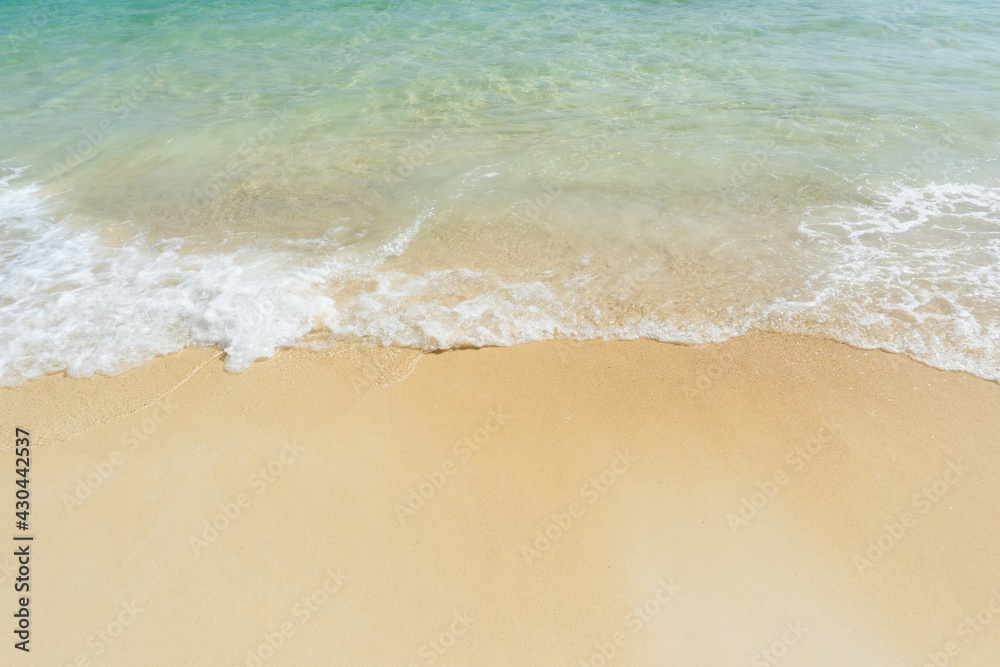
773 499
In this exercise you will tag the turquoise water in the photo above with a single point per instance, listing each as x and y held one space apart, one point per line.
439 174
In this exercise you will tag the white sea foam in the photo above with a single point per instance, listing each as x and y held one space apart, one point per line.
915 271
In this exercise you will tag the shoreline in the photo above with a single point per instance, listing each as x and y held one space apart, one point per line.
562 345
555 501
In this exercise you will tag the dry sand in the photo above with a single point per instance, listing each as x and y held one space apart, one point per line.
771 500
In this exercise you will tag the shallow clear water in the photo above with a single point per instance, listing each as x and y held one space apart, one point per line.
438 174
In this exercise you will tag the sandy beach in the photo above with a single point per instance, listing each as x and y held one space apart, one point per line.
465 333
773 499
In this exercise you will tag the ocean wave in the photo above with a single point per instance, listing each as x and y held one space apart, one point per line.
913 270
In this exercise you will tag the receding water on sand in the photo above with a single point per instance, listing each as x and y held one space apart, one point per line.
442 174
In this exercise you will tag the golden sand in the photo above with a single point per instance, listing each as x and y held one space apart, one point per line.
771 500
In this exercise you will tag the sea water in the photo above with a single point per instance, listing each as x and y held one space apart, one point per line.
441 173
